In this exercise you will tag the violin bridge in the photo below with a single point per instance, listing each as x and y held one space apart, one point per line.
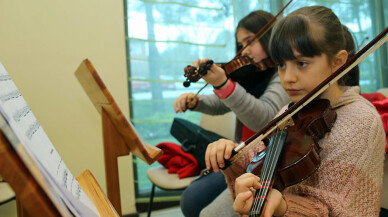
288 123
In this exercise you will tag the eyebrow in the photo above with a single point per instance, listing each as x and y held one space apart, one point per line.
247 38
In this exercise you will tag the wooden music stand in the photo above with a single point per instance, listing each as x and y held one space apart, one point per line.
120 137
32 198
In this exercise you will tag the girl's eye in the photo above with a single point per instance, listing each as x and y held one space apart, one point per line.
282 65
245 42
302 63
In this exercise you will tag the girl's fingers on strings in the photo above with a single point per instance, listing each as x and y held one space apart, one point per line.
247 182
243 202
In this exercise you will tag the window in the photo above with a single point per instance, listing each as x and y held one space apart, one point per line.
165 36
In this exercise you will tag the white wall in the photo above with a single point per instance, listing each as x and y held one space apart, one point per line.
42 43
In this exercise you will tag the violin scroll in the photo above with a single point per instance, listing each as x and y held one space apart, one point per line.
238 64
193 74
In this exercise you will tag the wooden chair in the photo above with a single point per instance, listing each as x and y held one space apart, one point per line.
160 178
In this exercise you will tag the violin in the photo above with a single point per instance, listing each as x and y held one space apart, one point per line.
293 152
237 65
193 74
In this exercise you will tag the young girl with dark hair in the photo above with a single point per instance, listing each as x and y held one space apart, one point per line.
255 97
309 45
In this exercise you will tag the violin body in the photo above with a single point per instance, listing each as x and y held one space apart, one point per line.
300 156
246 63
299 160
293 152
237 65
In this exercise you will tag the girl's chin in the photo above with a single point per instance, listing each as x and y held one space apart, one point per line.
295 99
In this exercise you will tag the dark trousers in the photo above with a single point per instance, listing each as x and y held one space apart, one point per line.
201 193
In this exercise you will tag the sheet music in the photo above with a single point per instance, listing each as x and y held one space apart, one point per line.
32 136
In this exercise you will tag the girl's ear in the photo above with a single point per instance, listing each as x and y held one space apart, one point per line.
340 58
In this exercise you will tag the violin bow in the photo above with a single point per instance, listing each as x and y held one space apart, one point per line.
257 36
281 119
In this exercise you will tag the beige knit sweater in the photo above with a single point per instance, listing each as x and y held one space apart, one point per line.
349 179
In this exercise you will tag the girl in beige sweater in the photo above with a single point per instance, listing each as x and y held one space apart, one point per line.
309 45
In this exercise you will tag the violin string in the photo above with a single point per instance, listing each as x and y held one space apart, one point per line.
256 141
260 192
274 157
266 173
265 176
271 165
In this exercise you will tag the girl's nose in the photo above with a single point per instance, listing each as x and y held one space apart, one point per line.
246 51
290 74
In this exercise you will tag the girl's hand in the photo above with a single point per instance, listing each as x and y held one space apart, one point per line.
217 152
246 186
215 76
184 102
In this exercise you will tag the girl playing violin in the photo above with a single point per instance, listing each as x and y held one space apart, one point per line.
247 93
309 45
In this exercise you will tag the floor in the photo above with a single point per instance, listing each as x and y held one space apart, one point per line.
9 210
170 212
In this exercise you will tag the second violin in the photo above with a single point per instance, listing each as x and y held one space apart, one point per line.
237 65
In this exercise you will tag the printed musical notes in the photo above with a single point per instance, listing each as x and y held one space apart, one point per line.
39 154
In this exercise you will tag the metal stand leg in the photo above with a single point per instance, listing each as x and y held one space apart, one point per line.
151 201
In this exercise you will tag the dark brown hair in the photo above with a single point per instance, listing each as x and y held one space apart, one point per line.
253 22
312 31
351 78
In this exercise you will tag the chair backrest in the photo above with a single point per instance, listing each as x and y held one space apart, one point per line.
223 125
